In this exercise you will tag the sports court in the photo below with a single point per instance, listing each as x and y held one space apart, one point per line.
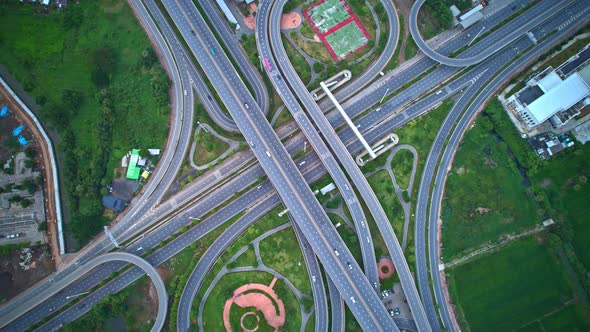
347 40
337 27
328 14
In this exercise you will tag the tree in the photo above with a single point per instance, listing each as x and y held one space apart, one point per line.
103 61
72 100
15 199
144 153
554 241
148 57
25 202
30 152
30 163
73 17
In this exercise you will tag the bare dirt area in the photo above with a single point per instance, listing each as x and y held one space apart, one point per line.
22 269
149 303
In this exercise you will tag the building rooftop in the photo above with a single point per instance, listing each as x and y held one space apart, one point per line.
561 97
584 73
471 20
549 82
575 61
530 94
133 171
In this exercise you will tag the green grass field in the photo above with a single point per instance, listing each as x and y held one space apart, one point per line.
383 188
281 252
86 48
248 258
482 169
402 164
573 318
129 304
208 148
328 14
346 39
213 309
510 288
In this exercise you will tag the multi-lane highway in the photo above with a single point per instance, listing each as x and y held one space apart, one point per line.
460 61
159 183
318 145
235 49
270 16
386 126
280 169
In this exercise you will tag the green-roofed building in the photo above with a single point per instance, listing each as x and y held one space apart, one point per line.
132 170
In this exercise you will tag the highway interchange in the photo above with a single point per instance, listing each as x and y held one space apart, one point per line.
210 190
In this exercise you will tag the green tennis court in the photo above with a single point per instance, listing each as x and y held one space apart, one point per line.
346 39
328 14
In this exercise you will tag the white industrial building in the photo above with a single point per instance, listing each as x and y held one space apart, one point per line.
551 96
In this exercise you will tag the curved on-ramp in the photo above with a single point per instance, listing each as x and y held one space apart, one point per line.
84 269
460 62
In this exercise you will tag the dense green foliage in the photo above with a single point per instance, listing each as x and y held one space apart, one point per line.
98 82
441 11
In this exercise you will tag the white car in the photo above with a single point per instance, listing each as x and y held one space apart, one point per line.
352 299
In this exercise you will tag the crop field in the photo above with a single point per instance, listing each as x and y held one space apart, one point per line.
509 289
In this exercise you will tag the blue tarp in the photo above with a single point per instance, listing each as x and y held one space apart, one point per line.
22 140
4 112
18 130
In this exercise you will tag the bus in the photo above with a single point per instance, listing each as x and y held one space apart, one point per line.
267 63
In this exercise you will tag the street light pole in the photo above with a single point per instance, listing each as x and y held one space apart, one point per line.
386 91
75 295
476 36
